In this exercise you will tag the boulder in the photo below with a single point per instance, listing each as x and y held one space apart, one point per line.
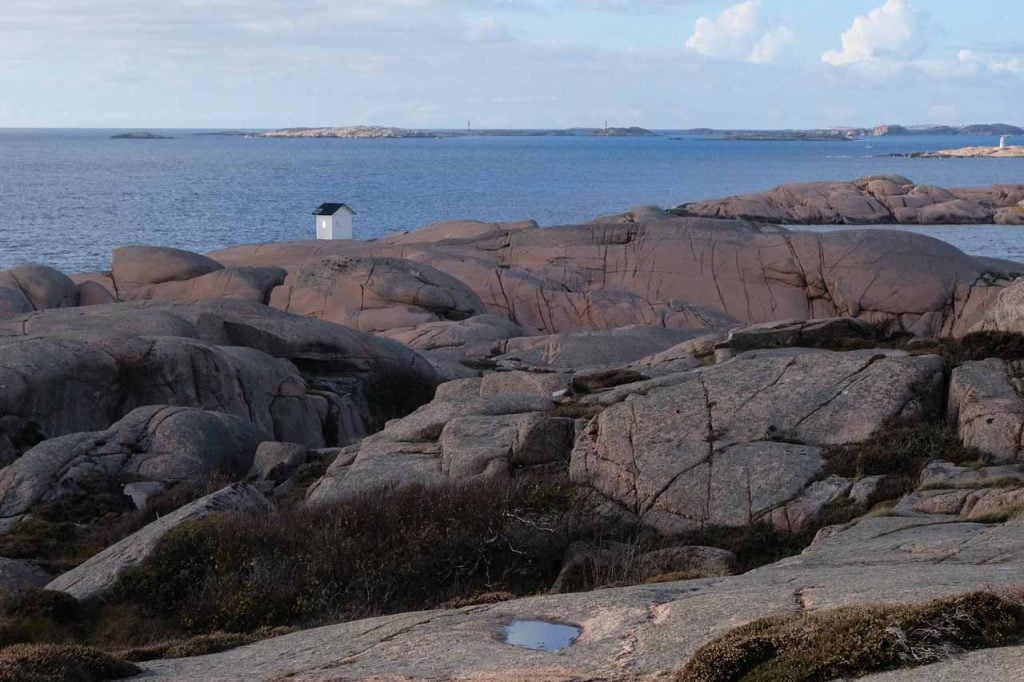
275 462
141 492
158 443
97 576
588 350
137 266
986 405
474 428
245 284
828 332
728 444
45 287
285 373
375 293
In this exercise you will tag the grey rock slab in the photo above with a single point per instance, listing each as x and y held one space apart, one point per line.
97 576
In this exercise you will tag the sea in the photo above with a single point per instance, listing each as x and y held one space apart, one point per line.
68 197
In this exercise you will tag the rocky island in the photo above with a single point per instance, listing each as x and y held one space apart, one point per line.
995 152
350 132
749 437
142 135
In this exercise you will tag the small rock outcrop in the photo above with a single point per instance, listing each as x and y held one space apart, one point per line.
729 444
97 576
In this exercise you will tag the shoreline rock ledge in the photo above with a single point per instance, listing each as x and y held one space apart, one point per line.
876 200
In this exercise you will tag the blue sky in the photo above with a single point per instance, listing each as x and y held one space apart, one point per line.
509 63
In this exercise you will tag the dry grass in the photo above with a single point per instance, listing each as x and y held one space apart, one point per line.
61 663
853 641
899 450
383 552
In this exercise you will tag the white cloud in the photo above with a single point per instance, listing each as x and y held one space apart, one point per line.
995 64
771 44
738 33
882 33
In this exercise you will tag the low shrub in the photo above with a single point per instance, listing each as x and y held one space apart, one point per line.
853 641
753 545
381 552
980 346
616 377
899 450
61 663
199 645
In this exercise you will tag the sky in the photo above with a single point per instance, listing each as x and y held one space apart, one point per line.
664 64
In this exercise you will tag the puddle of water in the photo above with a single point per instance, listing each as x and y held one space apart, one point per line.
540 635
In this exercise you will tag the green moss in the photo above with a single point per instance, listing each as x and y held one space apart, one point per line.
853 641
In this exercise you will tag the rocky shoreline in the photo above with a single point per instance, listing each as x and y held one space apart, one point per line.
971 153
878 200
712 384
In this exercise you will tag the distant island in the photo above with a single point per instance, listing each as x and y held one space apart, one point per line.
349 132
141 135
387 132
837 134
977 129
620 132
843 133
840 134
969 153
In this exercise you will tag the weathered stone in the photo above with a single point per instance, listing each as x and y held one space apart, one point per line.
375 294
98 575
699 448
246 284
887 199
275 461
588 350
939 474
141 492
136 266
806 509
988 409
159 443
45 287
16 576
830 332
687 274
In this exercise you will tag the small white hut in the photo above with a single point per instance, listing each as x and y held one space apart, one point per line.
334 221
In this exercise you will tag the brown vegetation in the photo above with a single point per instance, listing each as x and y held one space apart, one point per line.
853 641
61 663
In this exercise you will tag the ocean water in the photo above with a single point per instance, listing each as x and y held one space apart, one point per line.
67 197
